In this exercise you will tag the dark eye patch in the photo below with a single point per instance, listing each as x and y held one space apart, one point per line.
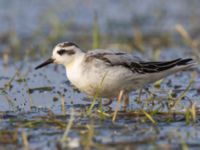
63 51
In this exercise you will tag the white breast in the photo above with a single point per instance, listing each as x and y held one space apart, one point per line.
73 71
97 78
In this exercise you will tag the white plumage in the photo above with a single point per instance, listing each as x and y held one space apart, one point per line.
107 72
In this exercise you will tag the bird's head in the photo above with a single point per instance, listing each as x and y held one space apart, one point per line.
63 53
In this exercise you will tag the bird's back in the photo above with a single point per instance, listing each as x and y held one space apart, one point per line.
115 70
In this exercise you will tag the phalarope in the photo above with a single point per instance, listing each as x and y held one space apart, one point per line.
107 72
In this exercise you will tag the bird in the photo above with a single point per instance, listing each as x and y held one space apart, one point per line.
105 73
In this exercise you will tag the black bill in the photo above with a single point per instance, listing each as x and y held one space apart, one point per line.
49 61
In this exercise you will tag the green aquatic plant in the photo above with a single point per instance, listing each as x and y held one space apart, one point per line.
138 39
68 127
95 33
63 105
87 137
183 94
149 116
96 95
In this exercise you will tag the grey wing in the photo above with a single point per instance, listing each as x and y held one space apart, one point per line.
133 63
112 57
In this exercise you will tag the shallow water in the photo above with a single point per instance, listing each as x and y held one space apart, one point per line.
32 100
39 112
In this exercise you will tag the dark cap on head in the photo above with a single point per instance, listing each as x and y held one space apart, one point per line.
66 44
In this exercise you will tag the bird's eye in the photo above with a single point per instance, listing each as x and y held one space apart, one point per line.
63 51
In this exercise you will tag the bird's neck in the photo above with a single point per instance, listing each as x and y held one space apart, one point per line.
74 69
78 58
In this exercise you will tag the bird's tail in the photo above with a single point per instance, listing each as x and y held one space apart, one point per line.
166 68
153 67
181 64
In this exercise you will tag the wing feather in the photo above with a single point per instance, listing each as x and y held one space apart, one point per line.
135 64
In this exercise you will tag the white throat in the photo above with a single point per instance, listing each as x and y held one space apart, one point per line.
78 58
74 69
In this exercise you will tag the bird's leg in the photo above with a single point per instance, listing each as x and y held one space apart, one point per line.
126 101
138 98
121 93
